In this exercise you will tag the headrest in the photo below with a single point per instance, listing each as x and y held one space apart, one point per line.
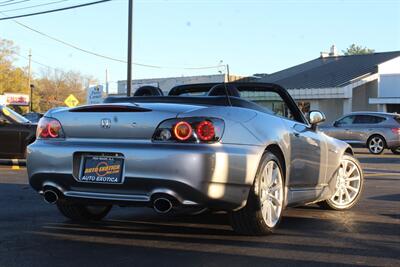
148 91
219 90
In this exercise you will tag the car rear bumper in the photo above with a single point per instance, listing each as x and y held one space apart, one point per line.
217 176
393 141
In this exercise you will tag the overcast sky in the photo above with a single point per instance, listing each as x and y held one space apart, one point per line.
253 36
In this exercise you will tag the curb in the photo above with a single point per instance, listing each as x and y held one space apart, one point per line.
15 163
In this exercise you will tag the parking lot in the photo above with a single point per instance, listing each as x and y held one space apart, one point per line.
33 233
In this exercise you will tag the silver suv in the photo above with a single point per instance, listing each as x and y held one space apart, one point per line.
374 130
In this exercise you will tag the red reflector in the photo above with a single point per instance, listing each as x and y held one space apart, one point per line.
183 130
205 130
396 130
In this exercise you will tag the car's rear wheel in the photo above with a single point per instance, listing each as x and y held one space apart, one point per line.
376 144
83 212
348 187
396 150
265 203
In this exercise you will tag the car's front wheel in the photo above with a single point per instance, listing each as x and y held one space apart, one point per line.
396 150
82 212
265 203
348 187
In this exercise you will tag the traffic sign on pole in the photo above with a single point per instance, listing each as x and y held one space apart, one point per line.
71 101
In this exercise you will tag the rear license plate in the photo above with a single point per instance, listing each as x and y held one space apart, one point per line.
105 170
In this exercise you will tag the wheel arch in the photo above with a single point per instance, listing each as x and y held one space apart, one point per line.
277 151
349 150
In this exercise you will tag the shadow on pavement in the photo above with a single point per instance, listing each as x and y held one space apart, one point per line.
390 197
210 236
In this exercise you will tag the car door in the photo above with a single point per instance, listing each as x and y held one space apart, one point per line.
342 128
363 126
307 159
307 156
10 137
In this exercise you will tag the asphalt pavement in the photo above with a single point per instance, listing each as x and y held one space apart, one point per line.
33 233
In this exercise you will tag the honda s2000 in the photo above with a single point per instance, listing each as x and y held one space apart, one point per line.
201 147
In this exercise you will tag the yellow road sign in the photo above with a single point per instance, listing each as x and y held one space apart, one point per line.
71 101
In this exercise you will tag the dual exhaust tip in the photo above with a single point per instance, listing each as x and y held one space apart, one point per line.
160 204
50 196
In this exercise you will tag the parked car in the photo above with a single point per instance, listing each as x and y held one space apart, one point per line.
16 132
374 130
178 153
33 116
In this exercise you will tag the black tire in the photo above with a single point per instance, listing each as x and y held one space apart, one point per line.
331 204
373 138
396 150
81 212
249 219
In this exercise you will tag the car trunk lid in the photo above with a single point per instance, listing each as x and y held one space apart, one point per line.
117 121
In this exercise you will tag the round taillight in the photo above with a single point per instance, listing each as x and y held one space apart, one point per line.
53 129
44 132
49 128
205 131
183 130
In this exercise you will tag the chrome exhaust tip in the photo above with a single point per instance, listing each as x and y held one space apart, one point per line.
50 196
162 205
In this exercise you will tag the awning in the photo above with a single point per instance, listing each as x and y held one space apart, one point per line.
385 100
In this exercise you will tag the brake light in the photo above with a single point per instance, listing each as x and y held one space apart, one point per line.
396 131
190 130
205 130
183 131
49 128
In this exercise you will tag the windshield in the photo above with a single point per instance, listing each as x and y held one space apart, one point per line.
13 116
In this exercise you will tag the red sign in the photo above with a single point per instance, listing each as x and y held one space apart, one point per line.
17 99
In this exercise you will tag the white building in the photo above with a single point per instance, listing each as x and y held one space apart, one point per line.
166 84
338 85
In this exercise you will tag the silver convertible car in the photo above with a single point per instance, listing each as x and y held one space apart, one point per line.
200 147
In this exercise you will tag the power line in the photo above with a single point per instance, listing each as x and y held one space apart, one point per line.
55 10
27 7
14 3
2 2
108 57
37 62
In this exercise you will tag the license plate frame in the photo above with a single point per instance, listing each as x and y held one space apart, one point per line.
98 169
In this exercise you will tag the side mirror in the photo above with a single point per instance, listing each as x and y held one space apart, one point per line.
316 117
336 124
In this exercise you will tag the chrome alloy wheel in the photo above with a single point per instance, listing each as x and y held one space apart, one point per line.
348 184
376 145
271 193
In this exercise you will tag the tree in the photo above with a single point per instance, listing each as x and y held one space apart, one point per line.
357 50
52 86
55 86
12 79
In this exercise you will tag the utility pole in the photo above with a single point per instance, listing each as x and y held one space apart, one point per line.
129 67
29 80
227 73
107 82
